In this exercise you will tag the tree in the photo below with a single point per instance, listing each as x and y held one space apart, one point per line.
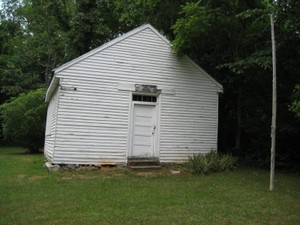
231 40
94 23
287 28
14 79
37 36
45 29
274 107
162 14
228 37
24 120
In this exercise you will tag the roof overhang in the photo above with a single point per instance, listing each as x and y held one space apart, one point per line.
51 89
219 87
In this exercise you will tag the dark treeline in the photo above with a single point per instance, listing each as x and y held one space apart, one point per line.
229 39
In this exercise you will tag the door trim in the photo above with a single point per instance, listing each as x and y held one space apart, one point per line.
156 144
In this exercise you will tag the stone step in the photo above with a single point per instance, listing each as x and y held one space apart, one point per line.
143 163
143 160
156 167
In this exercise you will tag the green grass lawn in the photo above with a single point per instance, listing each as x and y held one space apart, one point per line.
31 195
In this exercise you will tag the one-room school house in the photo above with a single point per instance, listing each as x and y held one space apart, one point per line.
132 97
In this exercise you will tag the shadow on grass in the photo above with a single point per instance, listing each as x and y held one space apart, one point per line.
11 150
25 153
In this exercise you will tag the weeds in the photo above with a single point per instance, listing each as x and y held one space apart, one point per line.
211 162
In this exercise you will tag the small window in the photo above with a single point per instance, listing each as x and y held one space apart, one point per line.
144 98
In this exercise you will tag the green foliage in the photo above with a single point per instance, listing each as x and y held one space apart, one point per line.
231 40
94 23
162 14
24 120
44 41
211 162
295 105
19 72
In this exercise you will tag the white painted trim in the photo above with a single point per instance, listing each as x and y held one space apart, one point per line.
52 88
126 87
166 91
158 115
159 34
129 126
129 135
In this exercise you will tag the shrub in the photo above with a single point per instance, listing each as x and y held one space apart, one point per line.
211 162
24 120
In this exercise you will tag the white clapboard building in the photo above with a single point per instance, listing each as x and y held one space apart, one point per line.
131 97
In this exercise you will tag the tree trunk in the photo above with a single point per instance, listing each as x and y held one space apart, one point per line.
274 106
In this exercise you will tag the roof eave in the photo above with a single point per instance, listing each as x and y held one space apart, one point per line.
218 85
51 89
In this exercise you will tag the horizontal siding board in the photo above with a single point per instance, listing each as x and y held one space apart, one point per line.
82 149
90 72
87 155
79 120
105 114
93 119
73 107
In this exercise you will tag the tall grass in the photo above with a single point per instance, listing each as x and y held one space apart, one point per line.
211 162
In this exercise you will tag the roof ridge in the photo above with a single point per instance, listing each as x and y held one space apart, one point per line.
108 44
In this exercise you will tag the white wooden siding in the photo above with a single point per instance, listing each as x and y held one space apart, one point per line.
93 116
51 126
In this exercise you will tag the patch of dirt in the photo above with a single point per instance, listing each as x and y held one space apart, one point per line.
67 178
112 169
106 172
24 176
148 173
78 176
36 177
163 171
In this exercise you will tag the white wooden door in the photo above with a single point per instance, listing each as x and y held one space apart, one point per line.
143 130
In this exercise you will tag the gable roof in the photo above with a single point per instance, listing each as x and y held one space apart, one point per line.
110 43
55 80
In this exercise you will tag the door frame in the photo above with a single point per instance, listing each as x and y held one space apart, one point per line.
156 138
